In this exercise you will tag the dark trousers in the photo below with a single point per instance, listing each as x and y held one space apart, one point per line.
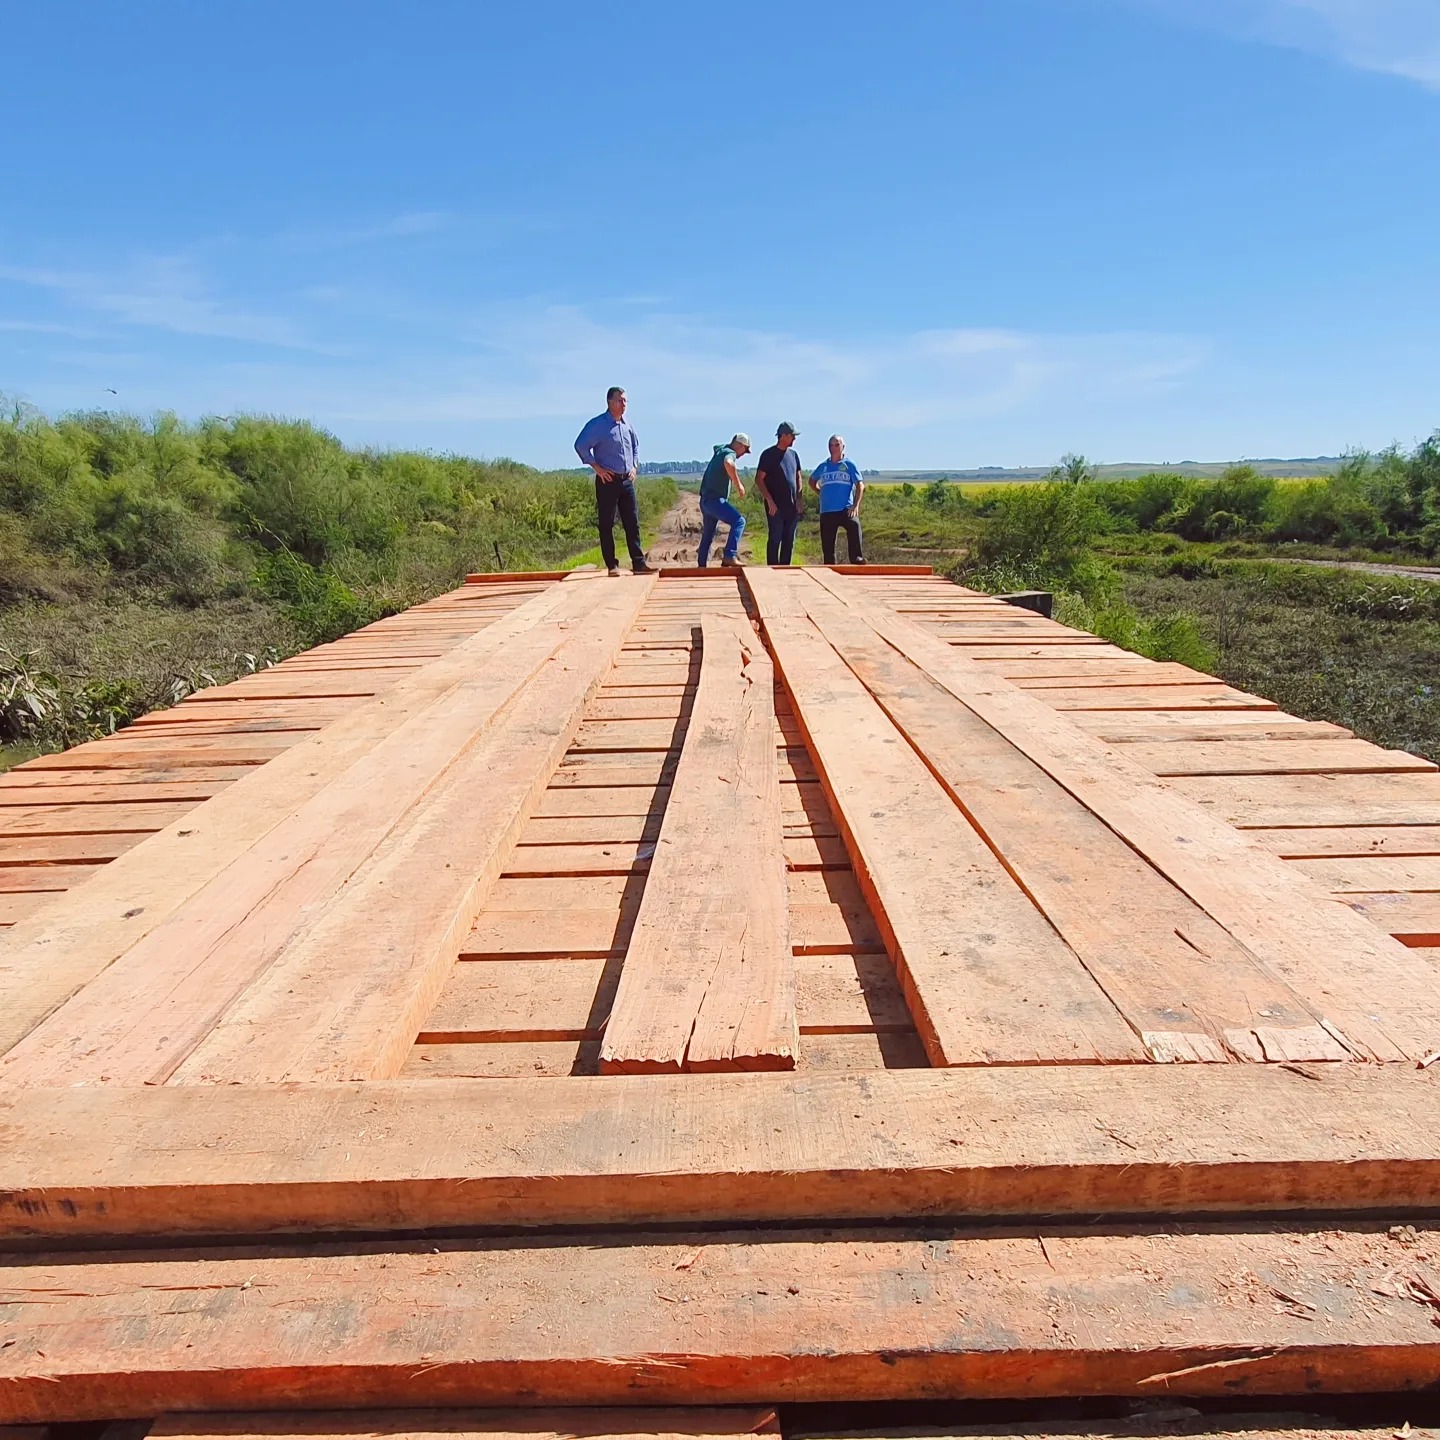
780 534
830 526
612 497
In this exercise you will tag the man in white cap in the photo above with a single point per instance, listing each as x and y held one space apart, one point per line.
715 504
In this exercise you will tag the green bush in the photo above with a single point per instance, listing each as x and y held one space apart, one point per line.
1044 528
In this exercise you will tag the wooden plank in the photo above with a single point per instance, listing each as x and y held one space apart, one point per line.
683 1317
507 578
503 1060
16 906
1279 757
126 752
861 1051
1161 727
521 1000
1349 840
988 981
1186 986
596 800
19 820
347 997
1175 698
39 783
1414 920
730 1423
60 849
1369 873
47 961
1274 801
1051 1140
1167 1420
1368 988
709 980
20 878
32 796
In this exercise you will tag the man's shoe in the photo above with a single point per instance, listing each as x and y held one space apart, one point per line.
733 561
613 570
643 569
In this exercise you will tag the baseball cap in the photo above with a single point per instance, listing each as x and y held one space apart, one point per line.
785 428
740 438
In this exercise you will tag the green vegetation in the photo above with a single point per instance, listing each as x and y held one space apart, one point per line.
140 559
1360 650
1387 503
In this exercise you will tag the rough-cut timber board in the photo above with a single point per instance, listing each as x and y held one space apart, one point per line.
1074 1141
987 979
346 1000
139 1019
71 941
1271 801
1349 840
1277 757
689 1318
1190 990
1161 1420
1368 874
1367 986
709 979
595 1424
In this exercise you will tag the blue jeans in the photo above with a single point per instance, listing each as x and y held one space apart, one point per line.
780 534
715 510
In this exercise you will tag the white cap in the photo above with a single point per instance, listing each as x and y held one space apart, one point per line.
740 439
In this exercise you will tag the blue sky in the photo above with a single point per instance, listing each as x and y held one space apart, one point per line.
964 233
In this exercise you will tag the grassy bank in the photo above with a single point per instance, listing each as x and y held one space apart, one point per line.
143 559
1362 651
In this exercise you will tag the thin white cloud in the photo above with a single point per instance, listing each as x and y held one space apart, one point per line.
1393 37
551 363
161 293
518 377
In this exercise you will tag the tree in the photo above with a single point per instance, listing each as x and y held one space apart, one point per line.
1072 470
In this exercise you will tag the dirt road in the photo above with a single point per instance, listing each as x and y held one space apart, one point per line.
678 539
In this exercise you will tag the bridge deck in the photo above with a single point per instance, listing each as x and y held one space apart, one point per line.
419 979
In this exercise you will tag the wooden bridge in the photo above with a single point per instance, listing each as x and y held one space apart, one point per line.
667 1005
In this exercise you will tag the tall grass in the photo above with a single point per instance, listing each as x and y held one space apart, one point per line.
139 557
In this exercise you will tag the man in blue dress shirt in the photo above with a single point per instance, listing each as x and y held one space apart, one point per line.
610 447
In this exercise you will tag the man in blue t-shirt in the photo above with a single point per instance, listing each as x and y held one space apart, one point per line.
840 488
777 477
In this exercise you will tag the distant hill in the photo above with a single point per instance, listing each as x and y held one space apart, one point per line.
999 475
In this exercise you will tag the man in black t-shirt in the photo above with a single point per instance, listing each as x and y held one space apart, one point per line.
777 476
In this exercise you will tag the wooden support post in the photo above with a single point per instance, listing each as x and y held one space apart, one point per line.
709 978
